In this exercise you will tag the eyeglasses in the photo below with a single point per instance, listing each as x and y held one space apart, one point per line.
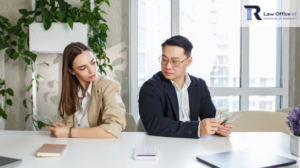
174 63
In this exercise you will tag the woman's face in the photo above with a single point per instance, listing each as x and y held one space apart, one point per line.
85 67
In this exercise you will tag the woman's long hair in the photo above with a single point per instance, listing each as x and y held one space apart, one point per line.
69 99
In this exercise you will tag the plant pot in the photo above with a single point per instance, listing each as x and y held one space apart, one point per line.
55 39
295 145
2 123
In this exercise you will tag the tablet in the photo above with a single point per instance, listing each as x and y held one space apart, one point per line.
6 162
246 159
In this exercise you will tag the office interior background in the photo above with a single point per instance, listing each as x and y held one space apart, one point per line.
245 68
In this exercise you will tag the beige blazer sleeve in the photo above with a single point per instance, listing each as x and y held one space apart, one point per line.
113 109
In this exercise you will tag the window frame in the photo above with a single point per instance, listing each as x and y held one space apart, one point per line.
244 91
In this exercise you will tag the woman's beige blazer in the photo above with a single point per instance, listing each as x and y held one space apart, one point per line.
106 107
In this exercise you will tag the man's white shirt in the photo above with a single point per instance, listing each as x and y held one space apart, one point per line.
183 100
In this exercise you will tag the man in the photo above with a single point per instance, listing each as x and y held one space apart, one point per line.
172 100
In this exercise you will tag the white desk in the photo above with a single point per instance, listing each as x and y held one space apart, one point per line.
115 153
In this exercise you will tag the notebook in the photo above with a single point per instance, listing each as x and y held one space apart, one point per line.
51 150
245 158
6 162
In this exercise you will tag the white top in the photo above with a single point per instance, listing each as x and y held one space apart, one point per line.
183 101
173 152
81 119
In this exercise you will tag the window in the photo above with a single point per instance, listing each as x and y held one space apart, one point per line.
242 70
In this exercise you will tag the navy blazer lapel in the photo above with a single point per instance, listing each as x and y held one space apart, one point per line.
193 99
170 90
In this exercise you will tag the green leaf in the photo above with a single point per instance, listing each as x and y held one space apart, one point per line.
104 72
47 25
26 118
14 43
25 103
26 69
87 4
3 113
97 16
6 38
1 33
3 44
21 44
52 3
107 2
15 56
10 51
103 12
46 19
70 22
103 27
62 5
16 29
58 14
39 77
27 61
30 20
40 124
2 82
84 19
108 60
110 67
30 85
46 64
9 102
2 92
23 35
10 91
23 11
98 1
30 54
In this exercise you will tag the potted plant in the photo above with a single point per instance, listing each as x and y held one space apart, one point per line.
4 102
294 124
65 24
53 13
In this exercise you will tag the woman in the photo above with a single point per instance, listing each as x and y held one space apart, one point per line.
92 102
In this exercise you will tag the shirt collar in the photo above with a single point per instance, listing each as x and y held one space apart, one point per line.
187 82
88 91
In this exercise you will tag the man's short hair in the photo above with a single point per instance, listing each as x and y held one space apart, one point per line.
181 42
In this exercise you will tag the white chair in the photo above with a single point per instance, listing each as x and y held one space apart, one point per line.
140 127
284 110
130 123
260 121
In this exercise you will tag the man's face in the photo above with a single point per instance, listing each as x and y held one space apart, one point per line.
174 54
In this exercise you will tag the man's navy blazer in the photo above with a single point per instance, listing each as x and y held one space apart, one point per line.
159 109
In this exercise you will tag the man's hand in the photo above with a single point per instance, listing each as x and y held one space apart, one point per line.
225 130
60 131
209 126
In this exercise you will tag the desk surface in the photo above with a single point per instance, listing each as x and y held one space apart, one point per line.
173 152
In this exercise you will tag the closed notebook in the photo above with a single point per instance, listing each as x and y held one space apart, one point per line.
51 150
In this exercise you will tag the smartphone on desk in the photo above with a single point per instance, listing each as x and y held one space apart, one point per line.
46 120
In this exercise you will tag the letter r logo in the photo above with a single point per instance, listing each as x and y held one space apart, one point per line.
249 11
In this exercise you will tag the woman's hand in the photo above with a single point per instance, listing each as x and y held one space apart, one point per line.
59 124
60 131
225 130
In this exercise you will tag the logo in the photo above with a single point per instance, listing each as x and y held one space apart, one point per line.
249 12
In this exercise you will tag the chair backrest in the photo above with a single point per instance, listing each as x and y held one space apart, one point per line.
140 127
260 121
284 110
130 123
